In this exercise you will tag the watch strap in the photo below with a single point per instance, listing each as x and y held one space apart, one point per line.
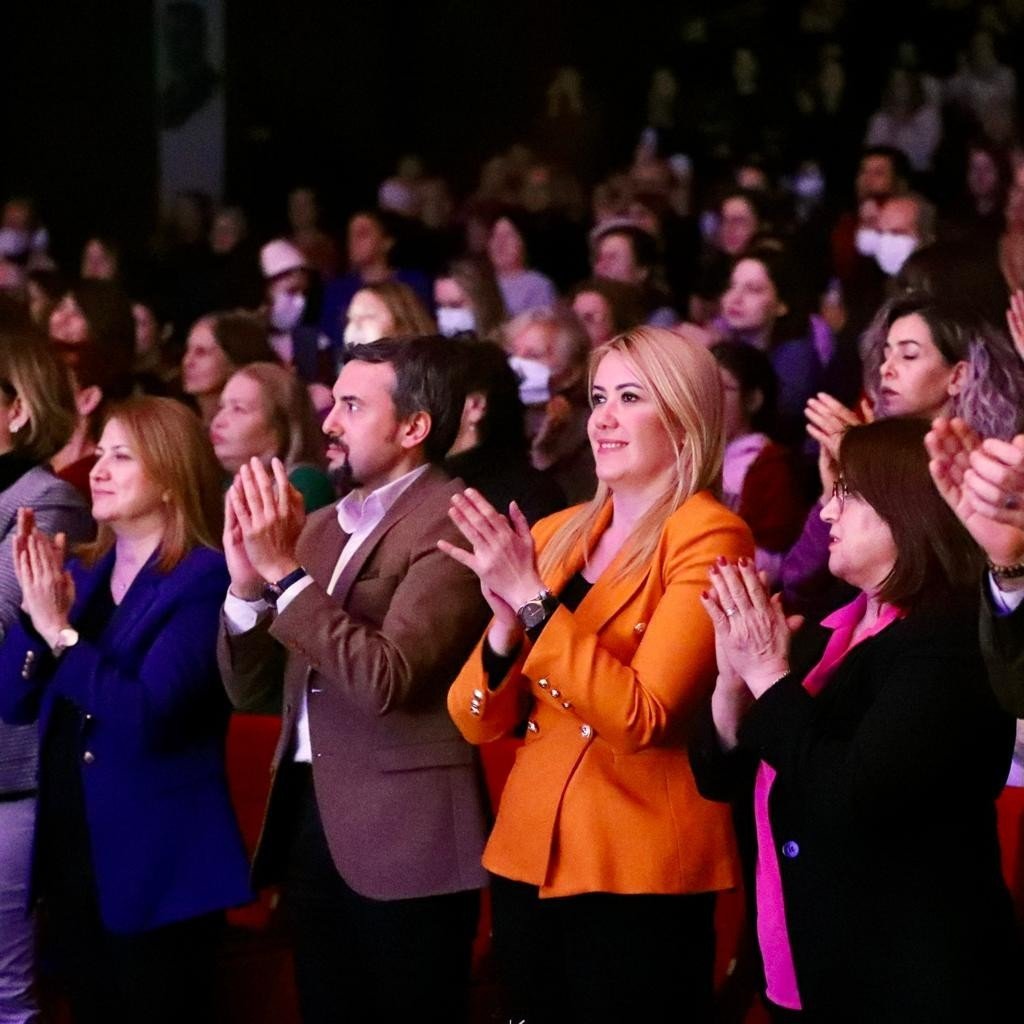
272 591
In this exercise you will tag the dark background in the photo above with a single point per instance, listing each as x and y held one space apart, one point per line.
333 93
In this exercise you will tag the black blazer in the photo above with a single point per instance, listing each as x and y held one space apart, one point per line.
1002 642
883 814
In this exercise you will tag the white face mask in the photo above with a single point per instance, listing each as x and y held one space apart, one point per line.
893 251
867 241
287 310
355 335
453 320
534 380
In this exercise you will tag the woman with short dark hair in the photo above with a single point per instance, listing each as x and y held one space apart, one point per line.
864 790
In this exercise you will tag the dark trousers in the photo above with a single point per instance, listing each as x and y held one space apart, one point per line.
600 957
163 976
369 961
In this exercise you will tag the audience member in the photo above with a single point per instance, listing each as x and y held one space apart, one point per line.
601 648
381 861
522 289
759 481
626 253
764 306
491 451
907 120
35 422
892 739
289 297
318 247
217 346
101 260
468 298
116 658
265 413
387 310
371 239
557 426
606 308
982 479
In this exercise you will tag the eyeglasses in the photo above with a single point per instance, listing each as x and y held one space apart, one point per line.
840 492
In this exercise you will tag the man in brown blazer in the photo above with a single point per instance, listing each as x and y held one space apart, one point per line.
355 624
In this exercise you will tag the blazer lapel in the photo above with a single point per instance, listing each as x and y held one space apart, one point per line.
137 601
87 581
608 595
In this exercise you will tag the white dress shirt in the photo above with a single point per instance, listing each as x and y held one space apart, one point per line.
1006 601
358 515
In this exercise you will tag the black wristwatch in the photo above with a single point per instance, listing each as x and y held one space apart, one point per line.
534 612
272 591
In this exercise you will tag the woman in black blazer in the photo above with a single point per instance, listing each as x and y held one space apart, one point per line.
864 789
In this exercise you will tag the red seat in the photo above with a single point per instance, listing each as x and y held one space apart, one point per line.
250 749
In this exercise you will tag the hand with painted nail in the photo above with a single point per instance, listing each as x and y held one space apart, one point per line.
752 633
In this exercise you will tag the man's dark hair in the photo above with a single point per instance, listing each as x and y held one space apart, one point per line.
425 381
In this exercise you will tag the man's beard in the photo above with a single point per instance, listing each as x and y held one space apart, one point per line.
342 478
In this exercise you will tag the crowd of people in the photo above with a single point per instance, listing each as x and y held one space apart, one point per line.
711 500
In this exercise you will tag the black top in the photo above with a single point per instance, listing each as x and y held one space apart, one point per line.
502 476
883 812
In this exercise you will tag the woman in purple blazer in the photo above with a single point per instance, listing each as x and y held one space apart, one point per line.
137 851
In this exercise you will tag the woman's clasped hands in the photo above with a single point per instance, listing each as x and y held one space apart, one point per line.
752 632
47 589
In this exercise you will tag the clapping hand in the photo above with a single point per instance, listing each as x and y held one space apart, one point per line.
47 589
983 482
502 555
268 513
827 421
752 632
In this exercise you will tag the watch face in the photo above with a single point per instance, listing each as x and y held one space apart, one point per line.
532 614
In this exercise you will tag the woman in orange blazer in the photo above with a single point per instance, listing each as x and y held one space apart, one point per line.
604 857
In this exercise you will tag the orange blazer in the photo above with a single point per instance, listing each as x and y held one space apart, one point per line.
601 797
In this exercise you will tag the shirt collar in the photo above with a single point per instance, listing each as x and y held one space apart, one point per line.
849 615
357 509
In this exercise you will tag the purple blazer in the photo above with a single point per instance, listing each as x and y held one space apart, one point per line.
165 843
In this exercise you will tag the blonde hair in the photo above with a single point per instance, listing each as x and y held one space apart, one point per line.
682 379
31 370
289 411
411 317
173 448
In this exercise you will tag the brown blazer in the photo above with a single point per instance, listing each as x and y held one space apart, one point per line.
398 788
601 797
